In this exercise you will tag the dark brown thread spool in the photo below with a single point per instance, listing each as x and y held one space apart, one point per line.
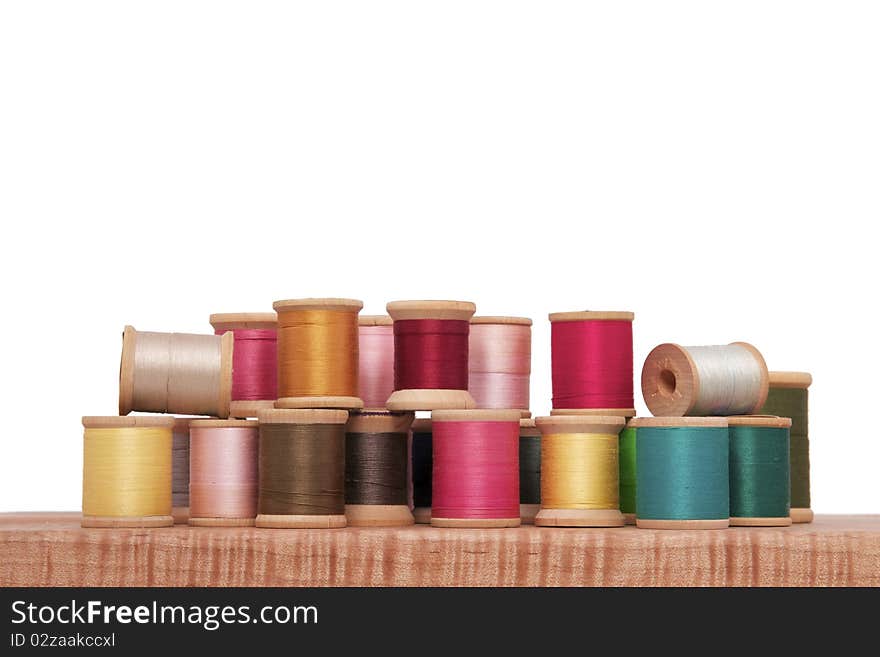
302 468
376 469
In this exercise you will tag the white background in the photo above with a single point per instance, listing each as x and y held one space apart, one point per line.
713 167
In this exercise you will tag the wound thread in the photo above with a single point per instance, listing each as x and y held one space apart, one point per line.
500 361
376 364
759 470
255 354
223 469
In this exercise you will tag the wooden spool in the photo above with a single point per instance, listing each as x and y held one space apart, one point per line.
219 521
127 374
594 316
475 415
527 512
671 381
562 424
501 321
245 408
379 515
646 523
427 399
341 402
181 426
302 416
422 514
760 421
113 422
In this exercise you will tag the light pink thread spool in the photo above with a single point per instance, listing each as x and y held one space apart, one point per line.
223 472
376 365
500 362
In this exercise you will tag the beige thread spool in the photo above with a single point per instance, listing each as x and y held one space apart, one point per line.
179 373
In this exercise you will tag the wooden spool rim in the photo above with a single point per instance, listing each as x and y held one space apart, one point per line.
476 523
422 515
790 379
375 320
527 513
114 522
579 518
227 344
421 425
626 413
476 415
328 303
673 422
801 515
646 523
527 427
457 310
771 421
126 370
429 400
497 319
660 399
302 416
220 424
378 515
375 421
593 316
233 321
117 421
269 521
249 408
181 424
784 521
337 402
597 424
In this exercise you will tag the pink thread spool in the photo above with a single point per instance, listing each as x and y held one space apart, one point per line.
376 359
500 362
254 360
223 472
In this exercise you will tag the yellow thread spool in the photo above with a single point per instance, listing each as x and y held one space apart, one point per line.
579 471
127 471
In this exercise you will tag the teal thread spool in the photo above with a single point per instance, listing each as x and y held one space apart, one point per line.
789 398
529 471
759 471
682 475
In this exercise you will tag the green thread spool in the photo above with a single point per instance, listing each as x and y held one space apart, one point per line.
788 397
759 471
529 471
682 475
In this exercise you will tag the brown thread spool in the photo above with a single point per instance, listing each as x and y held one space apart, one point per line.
318 353
180 470
376 469
180 373
302 468
528 431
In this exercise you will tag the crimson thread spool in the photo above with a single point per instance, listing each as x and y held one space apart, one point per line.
254 360
422 465
318 353
301 468
579 471
592 361
476 468
529 471
376 469
376 359
500 362
430 355
127 472
180 470
717 380
223 473
179 373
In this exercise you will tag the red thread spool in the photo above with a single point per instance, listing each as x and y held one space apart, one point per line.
254 360
376 359
476 468
592 362
430 355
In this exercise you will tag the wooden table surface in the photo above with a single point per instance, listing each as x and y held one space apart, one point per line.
50 549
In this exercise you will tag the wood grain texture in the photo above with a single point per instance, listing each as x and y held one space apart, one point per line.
51 549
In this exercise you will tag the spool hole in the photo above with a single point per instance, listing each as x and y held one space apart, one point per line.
667 382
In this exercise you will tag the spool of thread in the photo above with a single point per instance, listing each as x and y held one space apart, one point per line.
700 381
626 457
579 471
180 470
529 471
376 365
318 353
476 468
127 472
421 450
430 355
759 471
177 373
592 361
682 472
500 362
301 469
254 360
376 469
788 397
223 472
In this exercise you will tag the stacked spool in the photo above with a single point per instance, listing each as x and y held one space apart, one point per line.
376 359
180 470
177 373
127 471
254 360
789 397
500 362
529 471
421 467
759 471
